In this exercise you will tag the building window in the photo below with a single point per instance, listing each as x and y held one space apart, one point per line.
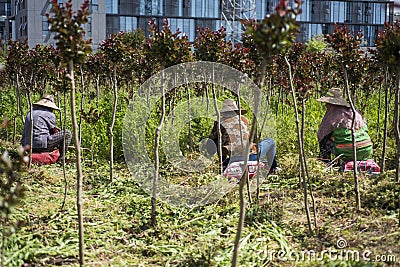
206 9
7 10
112 25
45 26
95 4
127 24
325 28
112 7
23 27
89 27
171 8
185 26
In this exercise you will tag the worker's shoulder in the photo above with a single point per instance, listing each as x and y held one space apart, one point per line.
43 113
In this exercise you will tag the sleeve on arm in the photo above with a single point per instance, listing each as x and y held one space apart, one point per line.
51 121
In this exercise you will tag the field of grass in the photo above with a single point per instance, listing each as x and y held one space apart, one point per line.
118 231
117 215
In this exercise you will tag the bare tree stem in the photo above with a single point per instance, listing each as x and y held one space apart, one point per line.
79 201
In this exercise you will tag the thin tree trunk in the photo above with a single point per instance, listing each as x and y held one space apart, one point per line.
242 212
268 99
301 152
79 201
15 130
378 130
64 123
303 124
97 90
208 99
111 129
353 138
277 103
189 121
242 142
385 124
3 241
18 113
19 100
242 201
397 130
396 122
31 129
82 104
157 160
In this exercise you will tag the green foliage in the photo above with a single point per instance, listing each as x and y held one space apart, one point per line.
119 217
346 44
33 69
286 131
3 52
119 220
7 97
316 44
95 133
11 189
10 184
115 49
211 46
301 62
166 48
46 62
69 32
388 44
119 214
16 58
275 32
348 54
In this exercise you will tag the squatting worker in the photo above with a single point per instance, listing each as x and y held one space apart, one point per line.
46 136
234 129
334 133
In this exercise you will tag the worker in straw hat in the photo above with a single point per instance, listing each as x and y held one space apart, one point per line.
46 136
334 133
235 136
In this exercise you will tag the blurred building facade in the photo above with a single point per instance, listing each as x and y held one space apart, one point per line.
5 23
26 19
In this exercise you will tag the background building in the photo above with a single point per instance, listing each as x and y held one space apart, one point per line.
30 21
25 19
5 23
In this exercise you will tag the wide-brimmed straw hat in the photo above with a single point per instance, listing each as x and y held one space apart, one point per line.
47 101
230 106
334 97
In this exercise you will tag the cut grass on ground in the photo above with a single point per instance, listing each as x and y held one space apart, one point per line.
118 231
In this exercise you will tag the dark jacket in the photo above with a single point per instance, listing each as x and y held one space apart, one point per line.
44 123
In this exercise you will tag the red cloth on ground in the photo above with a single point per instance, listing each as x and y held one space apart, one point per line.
45 158
369 166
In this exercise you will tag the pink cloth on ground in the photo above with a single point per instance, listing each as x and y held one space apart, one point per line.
369 166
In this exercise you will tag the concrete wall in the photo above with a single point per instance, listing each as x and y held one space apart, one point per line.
36 22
